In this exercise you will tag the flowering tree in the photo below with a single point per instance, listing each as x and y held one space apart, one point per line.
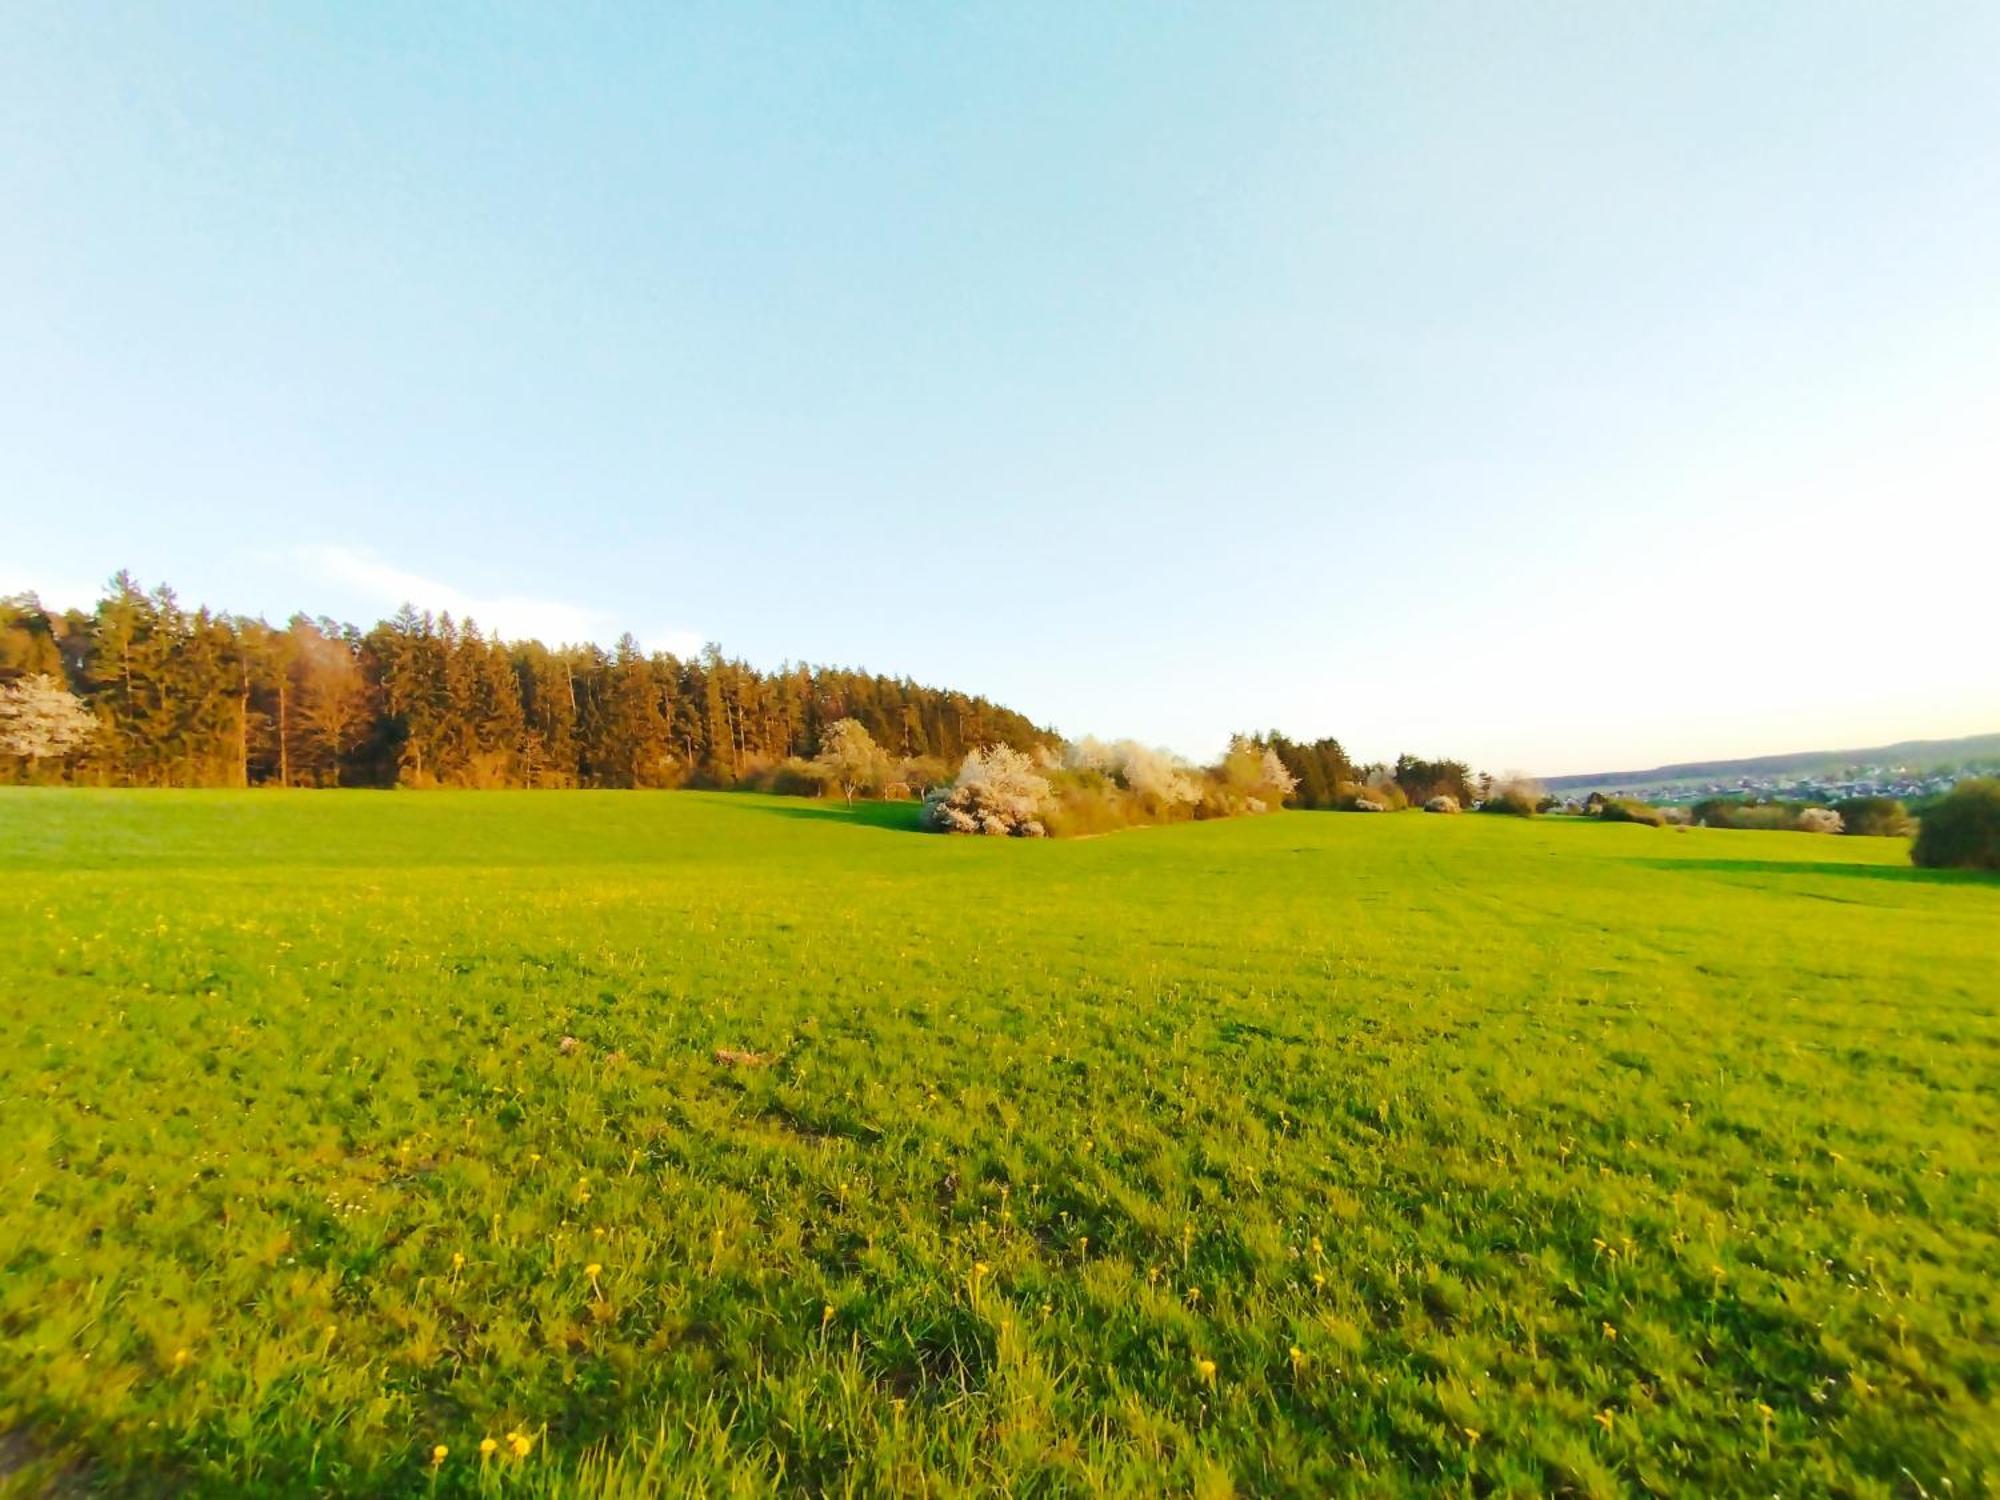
1154 775
40 718
849 758
998 791
1251 779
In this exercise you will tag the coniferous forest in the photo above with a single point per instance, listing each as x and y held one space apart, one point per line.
193 698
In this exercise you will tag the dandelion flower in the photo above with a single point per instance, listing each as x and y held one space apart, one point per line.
1205 1368
487 1446
521 1443
181 1357
1604 1419
592 1270
439 1454
1610 1332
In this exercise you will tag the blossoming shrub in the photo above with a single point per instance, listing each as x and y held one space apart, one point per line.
1094 787
997 791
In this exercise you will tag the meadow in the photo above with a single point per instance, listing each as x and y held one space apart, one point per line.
626 1143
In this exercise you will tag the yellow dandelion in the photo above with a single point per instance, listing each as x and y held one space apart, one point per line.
439 1454
181 1357
487 1447
1298 1359
1610 1332
457 1261
1205 1368
521 1443
826 1315
1604 1419
1472 1434
593 1270
1319 1278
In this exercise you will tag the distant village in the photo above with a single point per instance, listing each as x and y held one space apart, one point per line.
1907 784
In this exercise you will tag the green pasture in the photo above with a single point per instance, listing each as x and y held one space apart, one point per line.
1297 1155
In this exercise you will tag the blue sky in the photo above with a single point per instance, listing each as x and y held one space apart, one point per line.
1562 387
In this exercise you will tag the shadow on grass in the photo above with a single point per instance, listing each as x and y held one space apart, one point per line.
899 817
1843 870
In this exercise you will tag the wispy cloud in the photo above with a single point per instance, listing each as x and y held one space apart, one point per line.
510 616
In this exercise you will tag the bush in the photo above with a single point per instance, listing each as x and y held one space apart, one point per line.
1775 817
1874 817
1250 779
1380 793
1963 831
998 792
1626 810
1442 804
1517 796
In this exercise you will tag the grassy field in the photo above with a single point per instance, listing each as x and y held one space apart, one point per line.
1305 1154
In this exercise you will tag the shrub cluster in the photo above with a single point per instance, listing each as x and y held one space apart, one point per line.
1962 832
1874 817
1776 817
997 792
1381 792
1094 787
1517 797
1629 810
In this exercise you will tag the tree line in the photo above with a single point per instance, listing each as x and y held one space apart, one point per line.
179 697
1324 777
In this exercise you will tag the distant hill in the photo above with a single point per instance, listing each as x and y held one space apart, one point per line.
1915 754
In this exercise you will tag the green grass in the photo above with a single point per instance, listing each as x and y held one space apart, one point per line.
1567 1157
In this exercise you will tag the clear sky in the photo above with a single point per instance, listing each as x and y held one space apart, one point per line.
1563 387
